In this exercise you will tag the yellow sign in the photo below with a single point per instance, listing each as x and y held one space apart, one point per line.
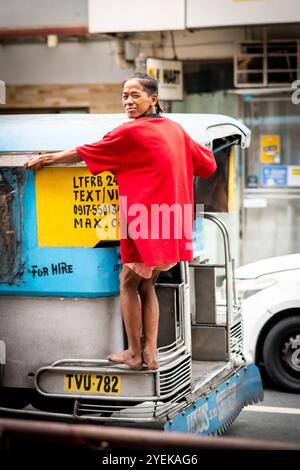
294 176
270 148
75 208
232 182
92 383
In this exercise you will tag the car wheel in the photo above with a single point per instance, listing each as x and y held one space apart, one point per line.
281 354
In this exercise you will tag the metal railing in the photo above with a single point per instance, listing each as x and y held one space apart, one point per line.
229 275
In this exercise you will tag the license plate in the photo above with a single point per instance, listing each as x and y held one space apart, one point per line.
92 383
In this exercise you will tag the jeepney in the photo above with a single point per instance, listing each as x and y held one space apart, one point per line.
59 285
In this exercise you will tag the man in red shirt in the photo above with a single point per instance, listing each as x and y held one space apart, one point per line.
154 161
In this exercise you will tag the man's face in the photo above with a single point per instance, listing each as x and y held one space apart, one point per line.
135 99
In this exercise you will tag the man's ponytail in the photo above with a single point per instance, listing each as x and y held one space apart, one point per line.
158 108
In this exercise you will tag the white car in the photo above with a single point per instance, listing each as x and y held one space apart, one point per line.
270 293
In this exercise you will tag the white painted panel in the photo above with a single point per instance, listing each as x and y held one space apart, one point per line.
37 64
207 13
16 14
255 202
135 15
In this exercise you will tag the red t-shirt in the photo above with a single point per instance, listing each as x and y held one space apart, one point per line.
154 161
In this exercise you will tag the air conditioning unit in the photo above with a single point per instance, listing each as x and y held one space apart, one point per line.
266 63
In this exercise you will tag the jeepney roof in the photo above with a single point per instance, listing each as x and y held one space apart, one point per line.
48 132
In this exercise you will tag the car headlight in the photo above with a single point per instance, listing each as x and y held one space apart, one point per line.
247 287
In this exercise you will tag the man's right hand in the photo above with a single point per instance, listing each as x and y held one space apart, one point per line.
66 156
35 162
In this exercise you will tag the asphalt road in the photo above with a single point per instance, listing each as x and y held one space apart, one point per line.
276 418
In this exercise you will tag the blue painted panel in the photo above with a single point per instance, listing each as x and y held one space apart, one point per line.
221 405
274 175
87 272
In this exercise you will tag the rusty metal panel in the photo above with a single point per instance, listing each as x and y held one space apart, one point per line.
11 190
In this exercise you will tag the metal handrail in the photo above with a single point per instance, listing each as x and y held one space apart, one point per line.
228 272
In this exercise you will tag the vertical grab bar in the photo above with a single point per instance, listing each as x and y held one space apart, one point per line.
228 274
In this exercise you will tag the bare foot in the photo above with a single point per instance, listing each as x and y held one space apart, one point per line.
151 358
125 357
